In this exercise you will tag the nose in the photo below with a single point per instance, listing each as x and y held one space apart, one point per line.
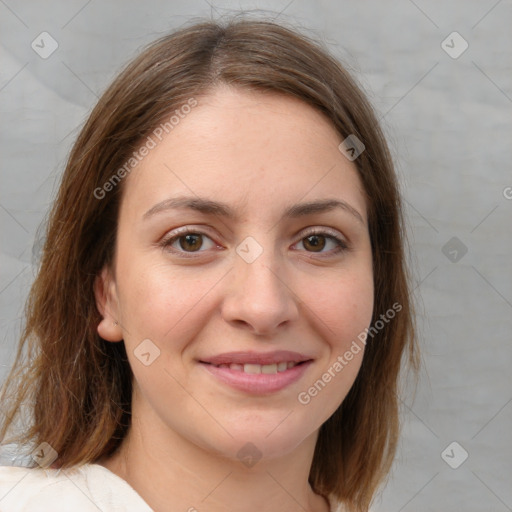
260 297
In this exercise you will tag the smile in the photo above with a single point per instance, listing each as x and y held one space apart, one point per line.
259 368
255 378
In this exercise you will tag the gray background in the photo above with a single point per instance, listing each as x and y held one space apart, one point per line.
449 124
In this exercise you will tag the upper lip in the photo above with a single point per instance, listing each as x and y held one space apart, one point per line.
261 358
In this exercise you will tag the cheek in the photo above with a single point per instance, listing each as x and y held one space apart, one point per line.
167 307
161 303
344 304
344 307
345 310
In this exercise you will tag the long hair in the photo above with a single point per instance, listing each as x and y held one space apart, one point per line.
76 386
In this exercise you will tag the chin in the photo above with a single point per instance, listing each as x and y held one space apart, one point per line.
250 443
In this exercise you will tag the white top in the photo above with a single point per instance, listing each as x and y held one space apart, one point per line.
85 488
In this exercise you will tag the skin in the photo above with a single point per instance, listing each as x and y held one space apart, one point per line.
259 153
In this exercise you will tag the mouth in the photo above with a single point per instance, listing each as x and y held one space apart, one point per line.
255 373
254 368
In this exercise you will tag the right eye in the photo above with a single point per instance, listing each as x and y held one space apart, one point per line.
187 241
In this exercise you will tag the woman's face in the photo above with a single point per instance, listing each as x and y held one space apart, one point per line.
231 251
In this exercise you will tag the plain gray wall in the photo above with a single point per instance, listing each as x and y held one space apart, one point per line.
449 123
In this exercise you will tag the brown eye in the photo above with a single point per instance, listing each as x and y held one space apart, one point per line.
188 242
191 242
314 243
323 243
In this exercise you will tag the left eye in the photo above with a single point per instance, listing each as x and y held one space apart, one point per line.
317 242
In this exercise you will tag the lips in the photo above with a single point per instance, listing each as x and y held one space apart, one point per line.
282 366
257 358
258 373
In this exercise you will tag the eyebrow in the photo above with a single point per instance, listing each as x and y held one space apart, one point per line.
210 207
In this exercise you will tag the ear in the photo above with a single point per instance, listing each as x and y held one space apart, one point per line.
105 292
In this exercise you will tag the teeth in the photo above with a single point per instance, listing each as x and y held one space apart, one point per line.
252 368
269 368
259 368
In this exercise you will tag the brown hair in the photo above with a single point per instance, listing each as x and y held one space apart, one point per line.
77 386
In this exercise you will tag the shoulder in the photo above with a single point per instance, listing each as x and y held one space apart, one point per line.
86 488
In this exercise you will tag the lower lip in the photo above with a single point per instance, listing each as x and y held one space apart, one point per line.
258 383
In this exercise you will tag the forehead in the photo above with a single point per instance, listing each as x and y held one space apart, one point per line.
243 146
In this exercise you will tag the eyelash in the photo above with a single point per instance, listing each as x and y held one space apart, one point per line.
166 243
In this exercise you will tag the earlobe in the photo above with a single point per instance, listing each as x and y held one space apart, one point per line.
106 302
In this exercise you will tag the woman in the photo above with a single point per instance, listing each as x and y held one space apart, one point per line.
222 304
